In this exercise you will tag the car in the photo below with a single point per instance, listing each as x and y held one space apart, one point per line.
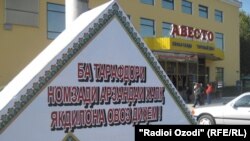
236 111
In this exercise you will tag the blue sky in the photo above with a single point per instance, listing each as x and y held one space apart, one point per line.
246 6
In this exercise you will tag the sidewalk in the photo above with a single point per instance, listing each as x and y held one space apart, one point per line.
215 101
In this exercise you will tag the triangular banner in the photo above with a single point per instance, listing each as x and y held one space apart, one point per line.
96 80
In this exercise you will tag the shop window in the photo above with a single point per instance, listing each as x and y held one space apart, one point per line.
147 28
162 63
218 15
186 7
150 2
56 20
22 12
219 39
220 76
192 68
202 70
191 80
207 74
166 29
171 67
168 4
201 61
203 11
182 68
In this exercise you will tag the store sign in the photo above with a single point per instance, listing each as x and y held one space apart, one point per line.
94 82
191 32
191 45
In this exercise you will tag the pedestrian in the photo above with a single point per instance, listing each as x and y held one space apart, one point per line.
209 91
197 94
202 94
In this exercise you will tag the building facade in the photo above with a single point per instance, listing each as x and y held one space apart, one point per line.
194 40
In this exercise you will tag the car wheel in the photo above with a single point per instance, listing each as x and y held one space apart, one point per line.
206 120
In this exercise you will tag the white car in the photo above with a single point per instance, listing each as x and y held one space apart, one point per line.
236 111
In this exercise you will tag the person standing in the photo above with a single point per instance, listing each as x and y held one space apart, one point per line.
209 91
197 94
202 94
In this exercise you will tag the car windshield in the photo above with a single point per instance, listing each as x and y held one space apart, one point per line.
243 101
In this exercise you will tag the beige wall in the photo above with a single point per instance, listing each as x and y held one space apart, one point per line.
229 27
20 44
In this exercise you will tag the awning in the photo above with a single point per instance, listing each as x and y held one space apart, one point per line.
201 49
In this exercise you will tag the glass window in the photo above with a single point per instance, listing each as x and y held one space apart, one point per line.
166 29
186 7
21 12
171 68
168 4
203 11
220 76
219 39
218 15
243 101
162 64
182 68
147 28
192 68
56 19
150 2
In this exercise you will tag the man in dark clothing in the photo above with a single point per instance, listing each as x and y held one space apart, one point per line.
197 94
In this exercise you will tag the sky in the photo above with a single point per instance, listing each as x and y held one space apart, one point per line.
246 6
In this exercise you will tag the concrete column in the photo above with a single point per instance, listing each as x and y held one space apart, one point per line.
74 8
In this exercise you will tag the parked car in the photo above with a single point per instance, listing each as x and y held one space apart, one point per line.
236 111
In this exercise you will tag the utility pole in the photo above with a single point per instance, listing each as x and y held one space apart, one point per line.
74 8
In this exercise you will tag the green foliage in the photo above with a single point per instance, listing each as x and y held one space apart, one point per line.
244 26
244 43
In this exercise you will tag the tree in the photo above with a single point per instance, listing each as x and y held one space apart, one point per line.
244 43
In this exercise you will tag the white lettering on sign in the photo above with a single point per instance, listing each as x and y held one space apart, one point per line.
190 32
